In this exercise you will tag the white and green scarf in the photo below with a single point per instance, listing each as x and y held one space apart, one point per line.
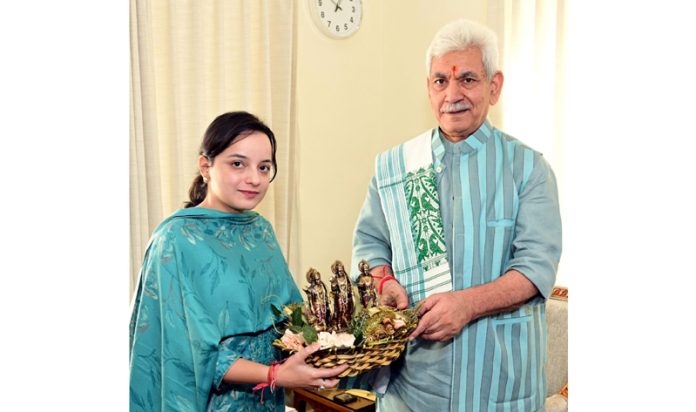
408 194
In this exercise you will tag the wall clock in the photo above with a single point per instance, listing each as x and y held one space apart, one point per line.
336 18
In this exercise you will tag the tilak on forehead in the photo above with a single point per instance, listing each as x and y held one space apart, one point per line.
454 71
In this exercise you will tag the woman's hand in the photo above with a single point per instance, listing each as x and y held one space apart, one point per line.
295 373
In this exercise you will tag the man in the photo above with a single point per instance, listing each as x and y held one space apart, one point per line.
466 220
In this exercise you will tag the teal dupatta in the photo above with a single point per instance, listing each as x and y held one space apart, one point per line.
207 276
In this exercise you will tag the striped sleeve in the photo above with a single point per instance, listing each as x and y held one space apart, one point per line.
536 249
371 235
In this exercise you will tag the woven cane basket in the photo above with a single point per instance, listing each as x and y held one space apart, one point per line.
361 358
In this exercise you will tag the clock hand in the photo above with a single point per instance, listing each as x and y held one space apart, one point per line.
337 4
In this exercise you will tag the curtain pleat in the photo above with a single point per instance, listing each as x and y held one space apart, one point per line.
531 38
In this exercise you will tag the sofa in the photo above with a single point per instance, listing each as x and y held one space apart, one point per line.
557 351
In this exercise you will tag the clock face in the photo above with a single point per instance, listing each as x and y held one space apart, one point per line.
336 18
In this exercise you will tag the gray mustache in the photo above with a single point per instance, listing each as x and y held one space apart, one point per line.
455 107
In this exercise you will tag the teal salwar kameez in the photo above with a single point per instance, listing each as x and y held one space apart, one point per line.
203 301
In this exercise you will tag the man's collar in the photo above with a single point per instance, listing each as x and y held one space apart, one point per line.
472 143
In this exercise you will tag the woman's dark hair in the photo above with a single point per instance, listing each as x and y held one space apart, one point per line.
222 132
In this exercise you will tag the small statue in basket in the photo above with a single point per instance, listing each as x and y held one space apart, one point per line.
348 335
342 290
318 314
366 286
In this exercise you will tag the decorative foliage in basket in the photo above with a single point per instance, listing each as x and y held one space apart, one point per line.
359 333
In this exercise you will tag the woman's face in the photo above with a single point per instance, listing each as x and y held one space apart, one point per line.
239 176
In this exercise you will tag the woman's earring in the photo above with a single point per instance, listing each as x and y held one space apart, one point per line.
205 180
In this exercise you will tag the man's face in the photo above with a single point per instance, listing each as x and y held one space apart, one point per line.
460 93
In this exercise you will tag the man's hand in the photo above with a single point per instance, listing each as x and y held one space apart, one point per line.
443 315
394 295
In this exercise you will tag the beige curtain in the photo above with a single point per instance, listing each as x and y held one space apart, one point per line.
532 51
192 60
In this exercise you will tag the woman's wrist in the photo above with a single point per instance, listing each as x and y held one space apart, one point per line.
271 379
276 375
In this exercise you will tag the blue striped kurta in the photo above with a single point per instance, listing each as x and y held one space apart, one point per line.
499 209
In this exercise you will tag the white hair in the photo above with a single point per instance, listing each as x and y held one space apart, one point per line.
460 35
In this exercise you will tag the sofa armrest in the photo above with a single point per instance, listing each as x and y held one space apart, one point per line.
557 351
556 403
557 346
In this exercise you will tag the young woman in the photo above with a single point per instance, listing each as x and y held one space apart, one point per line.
201 330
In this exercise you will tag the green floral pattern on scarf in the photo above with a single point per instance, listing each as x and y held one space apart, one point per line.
424 213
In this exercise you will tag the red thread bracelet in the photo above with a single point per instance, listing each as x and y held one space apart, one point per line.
384 279
270 379
384 270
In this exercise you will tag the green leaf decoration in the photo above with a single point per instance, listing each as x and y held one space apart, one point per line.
296 317
357 325
309 334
